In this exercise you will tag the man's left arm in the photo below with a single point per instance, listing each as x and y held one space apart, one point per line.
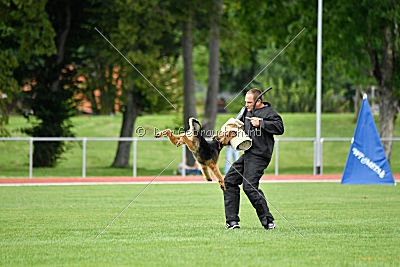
272 124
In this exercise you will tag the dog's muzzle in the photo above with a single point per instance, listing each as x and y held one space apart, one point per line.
241 142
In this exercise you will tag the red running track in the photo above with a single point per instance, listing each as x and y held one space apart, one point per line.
167 179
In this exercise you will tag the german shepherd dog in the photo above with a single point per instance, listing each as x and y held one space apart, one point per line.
205 152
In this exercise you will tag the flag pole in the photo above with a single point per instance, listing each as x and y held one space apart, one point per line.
318 163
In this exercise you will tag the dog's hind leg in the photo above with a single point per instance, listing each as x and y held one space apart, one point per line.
218 174
206 173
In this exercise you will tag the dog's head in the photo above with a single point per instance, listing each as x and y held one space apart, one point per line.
225 137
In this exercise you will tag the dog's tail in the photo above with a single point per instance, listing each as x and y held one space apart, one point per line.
192 128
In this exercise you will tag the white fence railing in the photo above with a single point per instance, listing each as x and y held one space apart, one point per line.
84 140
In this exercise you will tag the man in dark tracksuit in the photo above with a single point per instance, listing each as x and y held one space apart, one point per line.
248 169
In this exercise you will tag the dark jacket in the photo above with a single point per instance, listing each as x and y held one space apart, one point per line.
262 136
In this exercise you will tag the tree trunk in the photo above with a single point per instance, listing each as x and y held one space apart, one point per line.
60 43
387 116
357 102
93 103
383 73
211 108
189 108
132 111
107 92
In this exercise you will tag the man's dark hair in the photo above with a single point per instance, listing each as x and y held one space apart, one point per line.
255 92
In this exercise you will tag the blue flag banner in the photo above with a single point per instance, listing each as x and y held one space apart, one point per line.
367 162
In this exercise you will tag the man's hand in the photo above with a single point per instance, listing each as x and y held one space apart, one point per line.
255 121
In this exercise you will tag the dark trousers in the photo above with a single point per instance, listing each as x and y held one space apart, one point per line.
251 168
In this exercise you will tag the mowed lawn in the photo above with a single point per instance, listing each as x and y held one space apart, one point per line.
184 225
152 157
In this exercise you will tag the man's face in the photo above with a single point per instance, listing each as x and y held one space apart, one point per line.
249 101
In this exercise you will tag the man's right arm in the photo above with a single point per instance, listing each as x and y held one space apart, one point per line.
241 115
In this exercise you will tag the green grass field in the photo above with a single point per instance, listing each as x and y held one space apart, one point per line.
294 158
184 225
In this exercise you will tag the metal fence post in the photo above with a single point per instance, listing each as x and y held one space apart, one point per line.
315 158
276 157
30 157
183 160
322 156
84 157
134 157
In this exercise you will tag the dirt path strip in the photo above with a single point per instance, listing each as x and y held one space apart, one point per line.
162 180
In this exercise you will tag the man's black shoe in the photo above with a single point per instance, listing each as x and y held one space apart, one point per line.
232 225
269 226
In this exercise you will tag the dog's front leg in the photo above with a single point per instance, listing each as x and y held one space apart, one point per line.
165 132
181 140
189 143
174 139
218 174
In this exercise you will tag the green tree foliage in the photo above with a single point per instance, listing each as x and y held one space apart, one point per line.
53 79
262 29
295 97
99 66
360 48
145 35
100 84
367 32
52 111
239 44
25 32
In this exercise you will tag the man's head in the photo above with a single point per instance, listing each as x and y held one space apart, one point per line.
251 97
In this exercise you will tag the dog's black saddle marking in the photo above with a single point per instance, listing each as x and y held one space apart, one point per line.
208 150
